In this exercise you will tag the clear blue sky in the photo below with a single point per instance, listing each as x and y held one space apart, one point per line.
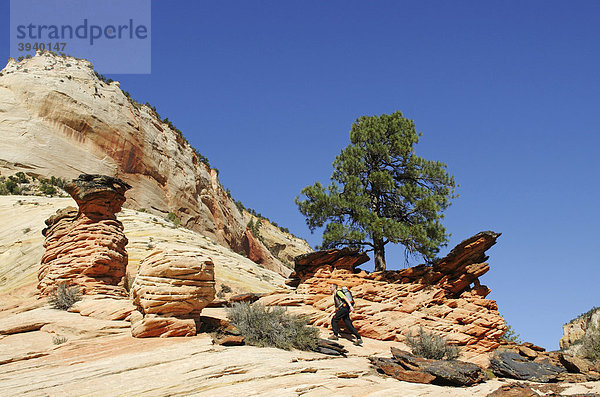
506 93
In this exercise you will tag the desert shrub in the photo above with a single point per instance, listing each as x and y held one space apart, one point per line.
64 296
59 339
60 182
174 219
272 327
47 188
201 158
431 346
11 186
510 335
240 205
225 289
255 228
590 343
21 177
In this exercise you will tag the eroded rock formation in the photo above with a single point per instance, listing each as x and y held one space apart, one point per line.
446 298
86 247
171 288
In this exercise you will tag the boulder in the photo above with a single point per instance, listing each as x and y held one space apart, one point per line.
86 246
510 364
409 368
392 368
171 288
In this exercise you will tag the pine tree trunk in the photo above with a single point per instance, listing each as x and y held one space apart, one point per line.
379 253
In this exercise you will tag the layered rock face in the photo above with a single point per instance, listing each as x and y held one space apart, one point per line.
446 299
86 247
171 288
59 119
285 246
574 330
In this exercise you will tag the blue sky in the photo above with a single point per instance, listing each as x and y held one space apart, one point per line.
506 93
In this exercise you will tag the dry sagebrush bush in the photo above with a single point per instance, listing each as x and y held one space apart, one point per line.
272 327
431 346
64 296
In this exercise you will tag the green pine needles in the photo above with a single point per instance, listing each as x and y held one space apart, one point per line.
381 192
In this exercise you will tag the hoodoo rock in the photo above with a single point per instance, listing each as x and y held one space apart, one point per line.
446 299
171 288
86 247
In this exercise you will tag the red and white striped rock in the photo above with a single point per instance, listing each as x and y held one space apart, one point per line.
86 247
446 299
174 283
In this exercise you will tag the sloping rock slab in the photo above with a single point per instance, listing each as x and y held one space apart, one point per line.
509 364
405 366
103 307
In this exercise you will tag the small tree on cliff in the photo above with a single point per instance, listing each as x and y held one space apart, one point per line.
381 192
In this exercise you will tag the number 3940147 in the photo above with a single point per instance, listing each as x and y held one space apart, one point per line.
41 46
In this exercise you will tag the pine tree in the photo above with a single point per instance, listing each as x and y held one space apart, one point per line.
381 192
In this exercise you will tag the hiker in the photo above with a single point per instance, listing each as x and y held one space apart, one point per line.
343 307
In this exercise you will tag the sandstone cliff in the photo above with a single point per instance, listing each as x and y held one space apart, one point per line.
575 329
282 244
57 118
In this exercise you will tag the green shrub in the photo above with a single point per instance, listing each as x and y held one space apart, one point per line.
431 346
590 343
173 218
255 228
64 296
60 182
510 335
21 177
11 186
47 189
272 327
225 289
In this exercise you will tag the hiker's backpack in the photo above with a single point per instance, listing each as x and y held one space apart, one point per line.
348 294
